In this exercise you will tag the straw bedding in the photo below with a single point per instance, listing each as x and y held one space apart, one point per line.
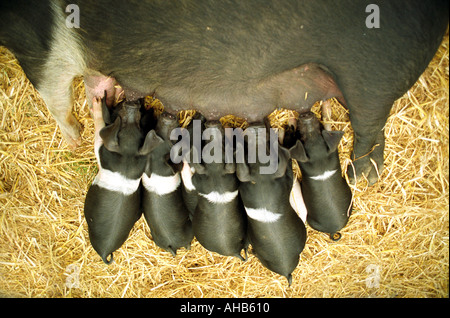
395 245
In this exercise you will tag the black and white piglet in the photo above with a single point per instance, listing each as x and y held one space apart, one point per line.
218 220
162 201
112 204
275 231
327 196
190 195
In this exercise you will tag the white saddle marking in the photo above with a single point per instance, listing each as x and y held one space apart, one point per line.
221 198
324 176
262 215
114 181
161 185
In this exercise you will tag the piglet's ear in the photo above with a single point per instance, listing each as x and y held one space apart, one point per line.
109 135
152 140
176 167
198 168
105 111
230 165
298 152
332 139
243 172
195 156
230 168
283 160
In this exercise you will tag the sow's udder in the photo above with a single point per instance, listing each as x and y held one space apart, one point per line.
97 85
298 88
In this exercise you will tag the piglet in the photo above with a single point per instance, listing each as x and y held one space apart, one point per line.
190 195
275 231
112 204
162 201
327 196
219 220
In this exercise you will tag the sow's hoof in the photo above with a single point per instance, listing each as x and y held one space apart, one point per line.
368 164
70 130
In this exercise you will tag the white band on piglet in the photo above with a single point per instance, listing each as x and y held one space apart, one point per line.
221 198
262 215
161 185
114 181
324 176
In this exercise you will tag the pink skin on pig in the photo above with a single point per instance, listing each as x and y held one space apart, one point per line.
97 85
326 114
97 115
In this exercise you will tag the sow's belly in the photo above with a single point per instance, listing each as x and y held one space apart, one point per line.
298 88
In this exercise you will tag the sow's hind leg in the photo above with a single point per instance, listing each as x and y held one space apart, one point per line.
65 61
56 90
368 143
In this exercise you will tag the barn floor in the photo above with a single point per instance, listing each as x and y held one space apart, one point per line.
395 245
